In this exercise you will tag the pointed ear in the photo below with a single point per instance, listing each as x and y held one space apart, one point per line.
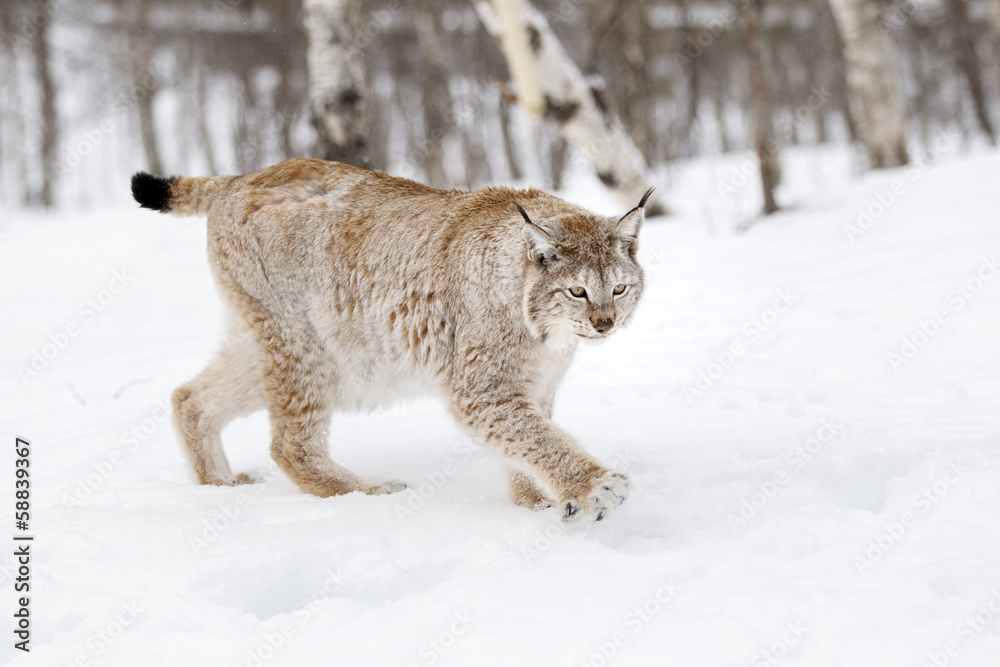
541 246
626 232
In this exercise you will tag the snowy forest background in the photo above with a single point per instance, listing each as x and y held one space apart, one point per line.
808 409
97 89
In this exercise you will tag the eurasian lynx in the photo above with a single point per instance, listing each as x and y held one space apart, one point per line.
348 288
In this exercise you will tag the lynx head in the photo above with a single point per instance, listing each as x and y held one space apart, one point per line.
581 275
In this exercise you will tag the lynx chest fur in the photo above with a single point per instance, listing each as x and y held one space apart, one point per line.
348 288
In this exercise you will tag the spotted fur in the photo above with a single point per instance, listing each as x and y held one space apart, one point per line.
349 288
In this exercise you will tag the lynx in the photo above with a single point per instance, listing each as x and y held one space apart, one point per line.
349 288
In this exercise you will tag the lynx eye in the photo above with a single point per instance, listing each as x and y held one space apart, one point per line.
578 292
620 289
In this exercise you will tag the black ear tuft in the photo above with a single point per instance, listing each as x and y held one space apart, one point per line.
152 191
642 202
523 214
542 247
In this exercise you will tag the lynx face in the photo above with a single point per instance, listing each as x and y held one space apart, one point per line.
581 274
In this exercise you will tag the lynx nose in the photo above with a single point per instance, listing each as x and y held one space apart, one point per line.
603 325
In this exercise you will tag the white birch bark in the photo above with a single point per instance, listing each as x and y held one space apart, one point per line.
556 90
875 99
338 81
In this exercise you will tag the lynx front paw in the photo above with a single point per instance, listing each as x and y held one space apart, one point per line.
392 486
605 493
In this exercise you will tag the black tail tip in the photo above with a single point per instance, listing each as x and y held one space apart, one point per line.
151 191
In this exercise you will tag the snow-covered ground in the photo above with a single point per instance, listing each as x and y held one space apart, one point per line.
809 411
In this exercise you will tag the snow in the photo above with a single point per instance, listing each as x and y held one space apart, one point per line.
798 495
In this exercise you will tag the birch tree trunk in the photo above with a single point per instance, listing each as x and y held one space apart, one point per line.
50 123
338 81
875 99
549 85
765 141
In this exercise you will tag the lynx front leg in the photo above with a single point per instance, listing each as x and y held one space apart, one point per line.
526 492
300 382
539 449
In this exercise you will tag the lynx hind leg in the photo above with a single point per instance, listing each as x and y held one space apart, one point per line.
229 387
526 493
300 383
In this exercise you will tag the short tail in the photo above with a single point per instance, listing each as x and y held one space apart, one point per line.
177 194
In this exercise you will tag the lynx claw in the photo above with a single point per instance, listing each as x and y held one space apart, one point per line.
570 508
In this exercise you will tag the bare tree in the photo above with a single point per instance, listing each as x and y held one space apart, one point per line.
338 80
876 102
993 20
49 121
765 141
625 83
14 158
968 62
139 39
437 103
550 85
201 119
513 164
